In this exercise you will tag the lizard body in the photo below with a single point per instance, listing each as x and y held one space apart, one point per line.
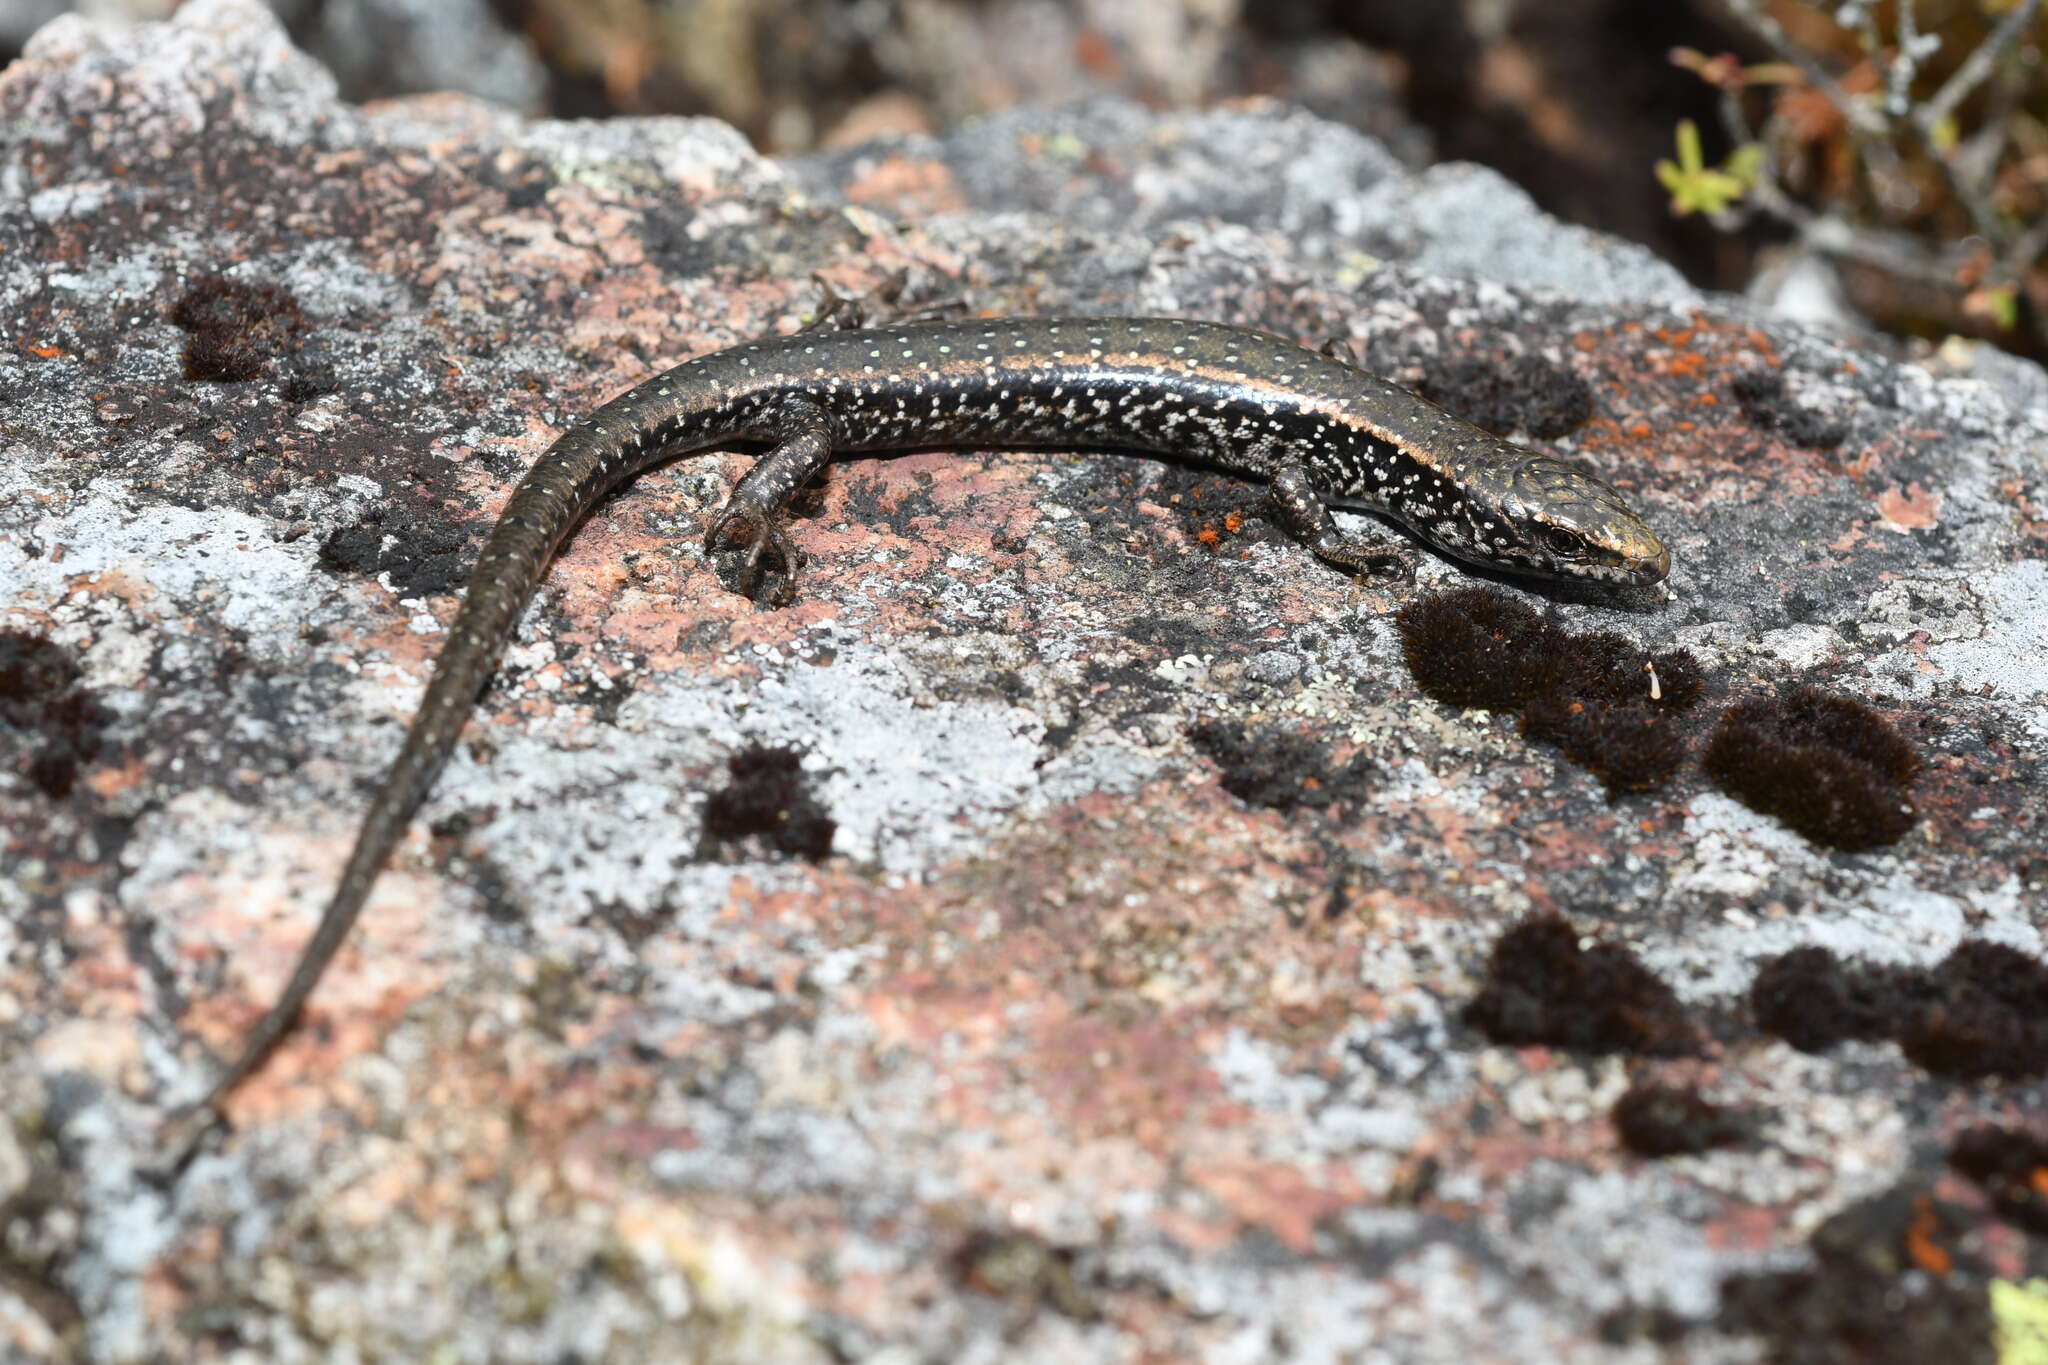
1319 432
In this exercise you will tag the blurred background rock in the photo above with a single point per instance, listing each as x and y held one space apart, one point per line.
1574 98
1577 100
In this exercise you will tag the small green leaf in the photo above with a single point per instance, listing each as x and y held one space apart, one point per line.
1689 155
2004 301
1744 163
1696 187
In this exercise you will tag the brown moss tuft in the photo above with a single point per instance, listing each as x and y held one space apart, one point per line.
1830 767
1656 1120
1588 694
767 798
1542 987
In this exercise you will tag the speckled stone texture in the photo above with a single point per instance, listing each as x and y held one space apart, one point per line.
1091 1040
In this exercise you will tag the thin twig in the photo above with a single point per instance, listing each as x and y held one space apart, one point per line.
1969 169
1977 156
1868 128
1764 192
1859 116
1905 63
1827 233
1976 66
2028 246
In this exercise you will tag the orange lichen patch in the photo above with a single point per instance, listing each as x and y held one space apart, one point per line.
1681 366
1094 909
914 187
1911 508
1651 378
1921 1245
116 583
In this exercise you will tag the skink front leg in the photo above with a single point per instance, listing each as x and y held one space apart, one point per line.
1307 518
753 524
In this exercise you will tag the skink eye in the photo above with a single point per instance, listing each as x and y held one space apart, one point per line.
1559 541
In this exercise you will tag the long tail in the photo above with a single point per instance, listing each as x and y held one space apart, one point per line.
577 470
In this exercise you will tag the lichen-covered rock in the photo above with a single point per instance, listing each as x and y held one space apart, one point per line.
1041 1043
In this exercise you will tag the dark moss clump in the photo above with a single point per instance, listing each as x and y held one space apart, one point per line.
1814 1000
768 798
1983 1011
423 557
1276 769
242 331
51 725
2012 1167
1601 666
1761 395
1672 1120
1542 987
1597 696
1629 748
1830 767
1477 647
1883 1290
1524 393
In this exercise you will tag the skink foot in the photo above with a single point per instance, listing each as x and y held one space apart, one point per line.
754 555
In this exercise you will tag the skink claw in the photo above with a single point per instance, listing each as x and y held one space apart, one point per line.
749 539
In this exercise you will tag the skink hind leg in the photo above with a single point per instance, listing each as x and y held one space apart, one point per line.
1307 518
751 532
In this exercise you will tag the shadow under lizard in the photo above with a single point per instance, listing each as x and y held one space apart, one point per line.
1319 432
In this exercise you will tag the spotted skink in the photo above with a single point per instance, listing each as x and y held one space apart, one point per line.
1319 432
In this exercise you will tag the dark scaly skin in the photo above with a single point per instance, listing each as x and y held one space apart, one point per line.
1319 431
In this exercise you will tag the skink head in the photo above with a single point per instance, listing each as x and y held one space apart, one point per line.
1479 497
1572 525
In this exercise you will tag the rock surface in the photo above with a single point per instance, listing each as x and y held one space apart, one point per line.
1068 1050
